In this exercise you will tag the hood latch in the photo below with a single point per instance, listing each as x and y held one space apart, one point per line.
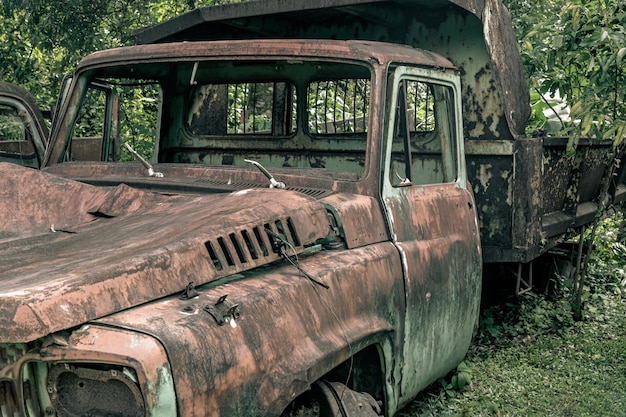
223 311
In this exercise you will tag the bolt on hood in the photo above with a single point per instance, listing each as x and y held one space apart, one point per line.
73 252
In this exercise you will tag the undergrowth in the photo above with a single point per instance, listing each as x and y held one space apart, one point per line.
530 358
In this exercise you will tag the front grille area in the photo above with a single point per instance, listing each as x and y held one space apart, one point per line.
255 245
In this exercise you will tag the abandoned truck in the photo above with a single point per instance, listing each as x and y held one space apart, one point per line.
265 210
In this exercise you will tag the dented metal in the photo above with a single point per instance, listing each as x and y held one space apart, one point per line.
289 333
143 241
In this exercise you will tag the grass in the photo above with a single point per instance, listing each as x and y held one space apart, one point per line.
530 358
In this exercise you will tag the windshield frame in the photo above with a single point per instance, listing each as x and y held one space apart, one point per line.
101 75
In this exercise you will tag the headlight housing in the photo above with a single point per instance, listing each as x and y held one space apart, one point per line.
83 389
93 371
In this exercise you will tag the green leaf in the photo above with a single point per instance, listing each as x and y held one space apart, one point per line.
586 124
604 36
462 367
620 55
463 379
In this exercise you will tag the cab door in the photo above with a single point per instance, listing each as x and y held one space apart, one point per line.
431 214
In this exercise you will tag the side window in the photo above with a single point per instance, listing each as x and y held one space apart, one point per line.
423 144
111 113
89 130
16 141
338 106
12 127
248 108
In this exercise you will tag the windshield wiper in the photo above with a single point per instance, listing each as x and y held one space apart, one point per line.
145 163
273 182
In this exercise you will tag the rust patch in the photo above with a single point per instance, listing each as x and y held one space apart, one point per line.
290 332
135 256
34 203
361 219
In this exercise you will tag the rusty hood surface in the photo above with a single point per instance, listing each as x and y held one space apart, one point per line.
73 252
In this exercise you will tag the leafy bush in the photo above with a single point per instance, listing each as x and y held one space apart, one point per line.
607 271
576 48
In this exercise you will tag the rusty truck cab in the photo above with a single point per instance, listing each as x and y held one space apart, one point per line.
312 195
312 108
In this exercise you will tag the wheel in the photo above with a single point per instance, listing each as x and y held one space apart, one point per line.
337 400
334 399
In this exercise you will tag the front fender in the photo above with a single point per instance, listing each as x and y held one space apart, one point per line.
290 331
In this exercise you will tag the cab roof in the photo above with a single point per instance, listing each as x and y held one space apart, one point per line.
364 51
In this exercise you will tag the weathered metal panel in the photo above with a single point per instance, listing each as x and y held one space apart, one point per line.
125 246
558 180
33 203
264 49
289 333
492 181
530 195
361 219
187 178
506 64
594 168
436 232
571 183
528 199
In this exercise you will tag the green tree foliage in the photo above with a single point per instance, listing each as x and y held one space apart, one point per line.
576 48
42 40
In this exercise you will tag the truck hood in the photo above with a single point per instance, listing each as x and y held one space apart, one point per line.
73 252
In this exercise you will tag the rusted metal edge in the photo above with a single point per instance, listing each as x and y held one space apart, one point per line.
163 30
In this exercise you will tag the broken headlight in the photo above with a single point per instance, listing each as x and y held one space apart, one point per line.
81 390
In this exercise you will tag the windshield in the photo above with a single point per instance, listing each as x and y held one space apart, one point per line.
282 113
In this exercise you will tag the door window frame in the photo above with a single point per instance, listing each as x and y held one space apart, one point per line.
428 76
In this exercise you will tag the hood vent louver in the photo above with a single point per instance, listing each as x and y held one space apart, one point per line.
311 192
252 247
240 185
